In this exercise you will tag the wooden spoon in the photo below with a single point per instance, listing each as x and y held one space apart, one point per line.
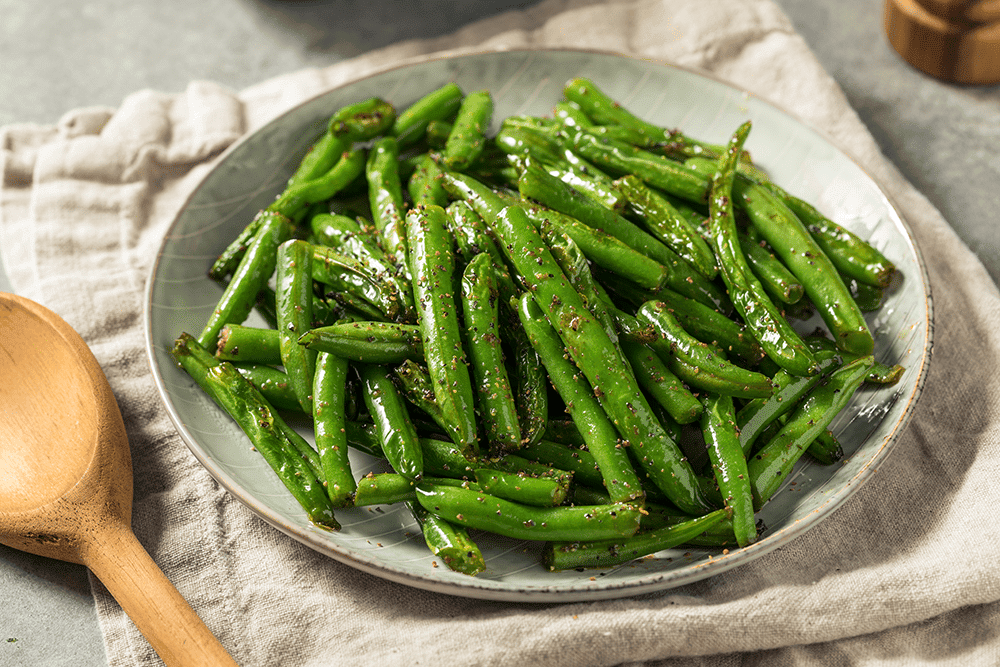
66 477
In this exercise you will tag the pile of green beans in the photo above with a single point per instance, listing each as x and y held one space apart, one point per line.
539 330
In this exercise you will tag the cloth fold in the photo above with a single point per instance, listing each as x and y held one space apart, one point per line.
897 575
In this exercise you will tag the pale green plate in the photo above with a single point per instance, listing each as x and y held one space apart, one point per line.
386 541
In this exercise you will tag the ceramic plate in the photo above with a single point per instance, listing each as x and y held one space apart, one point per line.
386 541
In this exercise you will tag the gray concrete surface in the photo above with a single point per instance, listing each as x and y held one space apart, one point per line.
56 55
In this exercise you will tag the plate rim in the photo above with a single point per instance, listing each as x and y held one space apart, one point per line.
475 588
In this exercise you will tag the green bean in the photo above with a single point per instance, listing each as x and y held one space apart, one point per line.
466 228
885 374
531 396
294 201
570 113
472 509
558 161
261 424
238 342
519 465
363 120
324 165
554 194
579 461
602 110
523 488
385 196
770 465
227 261
563 432
718 424
424 186
397 436
367 282
347 300
272 384
714 373
294 309
439 104
580 552
780 341
825 448
329 411
432 268
668 225
253 272
415 384
385 488
520 140
585 179
757 414
551 192
772 274
597 357
717 535
444 459
468 135
494 398
792 243
711 326
622 158
320 158
598 431
437 133
662 385
852 255
354 122
602 249
868 298
334 229
367 342
349 238
451 543
575 265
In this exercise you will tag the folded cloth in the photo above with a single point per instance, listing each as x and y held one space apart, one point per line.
896 576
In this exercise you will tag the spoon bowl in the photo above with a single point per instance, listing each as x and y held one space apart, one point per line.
66 489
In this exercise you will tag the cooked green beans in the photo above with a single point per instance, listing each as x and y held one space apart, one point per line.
249 344
294 308
599 433
715 373
532 331
252 273
565 555
718 424
262 425
432 268
368 342
770 466
597 357
467 138
495 399
780 341
329 416
792 242
474 509
396 433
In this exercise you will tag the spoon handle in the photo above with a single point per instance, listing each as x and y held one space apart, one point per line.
169 623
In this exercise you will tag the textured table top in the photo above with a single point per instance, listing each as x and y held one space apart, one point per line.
944 138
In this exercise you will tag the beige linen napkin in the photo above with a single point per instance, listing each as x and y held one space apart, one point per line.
901 574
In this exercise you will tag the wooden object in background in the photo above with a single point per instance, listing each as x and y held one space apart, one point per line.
66 477
954 40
